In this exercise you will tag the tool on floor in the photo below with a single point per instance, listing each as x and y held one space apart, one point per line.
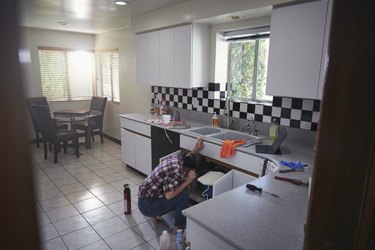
260 190
294 181
282 171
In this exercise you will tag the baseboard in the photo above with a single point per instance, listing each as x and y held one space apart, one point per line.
115 140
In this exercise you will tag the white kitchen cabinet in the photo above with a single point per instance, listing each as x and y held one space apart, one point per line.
167 63
136 145
153 58
242 161
191 56
176 57
141 58
200 238
298 50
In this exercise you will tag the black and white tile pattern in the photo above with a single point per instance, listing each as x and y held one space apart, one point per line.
291 112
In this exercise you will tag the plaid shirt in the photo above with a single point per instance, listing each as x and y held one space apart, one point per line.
167 176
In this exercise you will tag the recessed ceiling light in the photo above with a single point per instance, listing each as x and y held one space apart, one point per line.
120 2
63 23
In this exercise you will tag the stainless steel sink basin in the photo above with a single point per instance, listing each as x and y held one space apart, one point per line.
231 135
205 130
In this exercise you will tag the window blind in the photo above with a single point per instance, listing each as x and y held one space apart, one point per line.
107 70
67 75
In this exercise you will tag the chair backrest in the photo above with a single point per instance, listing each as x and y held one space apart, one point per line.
98 103
45 122
42 100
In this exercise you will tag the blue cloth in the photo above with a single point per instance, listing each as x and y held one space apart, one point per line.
292 165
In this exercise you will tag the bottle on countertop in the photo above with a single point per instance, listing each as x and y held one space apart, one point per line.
127 201
164 240
179 240
215 120
274 129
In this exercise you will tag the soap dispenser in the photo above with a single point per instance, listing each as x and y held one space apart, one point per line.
215 120
274 129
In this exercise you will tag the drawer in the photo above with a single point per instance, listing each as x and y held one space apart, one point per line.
138 127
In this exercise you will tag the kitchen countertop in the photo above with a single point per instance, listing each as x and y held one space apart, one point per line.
291 150
247 219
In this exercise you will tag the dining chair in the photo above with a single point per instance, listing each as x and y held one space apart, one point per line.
42 100
50 133
96 123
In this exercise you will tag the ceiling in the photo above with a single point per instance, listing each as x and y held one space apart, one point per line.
86 16
98 16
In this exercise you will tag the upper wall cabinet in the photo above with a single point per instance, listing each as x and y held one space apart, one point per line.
298 50
174 57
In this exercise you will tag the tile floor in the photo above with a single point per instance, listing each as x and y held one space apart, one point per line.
80 202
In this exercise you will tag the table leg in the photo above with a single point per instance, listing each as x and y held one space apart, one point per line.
88 134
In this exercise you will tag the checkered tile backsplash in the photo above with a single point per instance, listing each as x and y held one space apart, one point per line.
291 112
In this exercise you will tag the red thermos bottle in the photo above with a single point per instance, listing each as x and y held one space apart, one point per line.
127 201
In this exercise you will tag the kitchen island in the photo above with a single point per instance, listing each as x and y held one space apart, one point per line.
244 219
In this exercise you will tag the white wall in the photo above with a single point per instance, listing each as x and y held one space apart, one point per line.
133 98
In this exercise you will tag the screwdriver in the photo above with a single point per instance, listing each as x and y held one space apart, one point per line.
294 181
255 188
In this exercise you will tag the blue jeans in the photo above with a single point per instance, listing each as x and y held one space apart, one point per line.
158 206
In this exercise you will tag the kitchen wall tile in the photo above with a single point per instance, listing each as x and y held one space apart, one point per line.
291 112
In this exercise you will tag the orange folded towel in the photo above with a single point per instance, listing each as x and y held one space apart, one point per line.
228 148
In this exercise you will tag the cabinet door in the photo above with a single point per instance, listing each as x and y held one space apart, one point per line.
295 53
167 57
182 56
223 185
153 58
141 58
240 178
143 154
128 142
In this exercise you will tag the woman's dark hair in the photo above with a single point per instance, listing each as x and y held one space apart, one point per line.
194 161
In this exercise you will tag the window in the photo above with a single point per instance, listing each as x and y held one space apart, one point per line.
108 74
69 75
66 75
247 64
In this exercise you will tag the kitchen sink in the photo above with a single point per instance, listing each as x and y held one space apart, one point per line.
231 135
205 130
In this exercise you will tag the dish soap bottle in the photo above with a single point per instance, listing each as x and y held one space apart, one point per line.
274 129
215 120
179 240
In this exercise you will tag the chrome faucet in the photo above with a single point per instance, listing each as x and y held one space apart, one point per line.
228 120
254 126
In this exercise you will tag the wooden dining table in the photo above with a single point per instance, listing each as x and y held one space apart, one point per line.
73 115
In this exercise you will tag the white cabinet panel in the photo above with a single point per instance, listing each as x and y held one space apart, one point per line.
153 58
128 142
143 154
296 48
201 238
167 57
141 58
182 55
136 145
231 180
174 57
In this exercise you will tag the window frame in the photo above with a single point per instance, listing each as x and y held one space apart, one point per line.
99 76
246 35
95 78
